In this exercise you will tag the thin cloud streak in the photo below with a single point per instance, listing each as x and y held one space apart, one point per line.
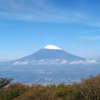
87 40
41 12
91 38
91 31
41 16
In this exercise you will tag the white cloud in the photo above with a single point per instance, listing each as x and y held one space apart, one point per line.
20 63
84 62
56 62
51 62
76 62
43 62
64 62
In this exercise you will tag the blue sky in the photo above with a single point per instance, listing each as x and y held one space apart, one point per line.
28 25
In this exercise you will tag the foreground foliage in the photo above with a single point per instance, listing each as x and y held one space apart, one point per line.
88 89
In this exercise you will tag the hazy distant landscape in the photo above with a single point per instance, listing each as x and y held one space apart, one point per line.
49 74
49 65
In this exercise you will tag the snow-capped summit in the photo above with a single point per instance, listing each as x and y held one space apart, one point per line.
51 52
52 47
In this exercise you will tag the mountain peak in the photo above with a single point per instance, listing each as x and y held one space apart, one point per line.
52 47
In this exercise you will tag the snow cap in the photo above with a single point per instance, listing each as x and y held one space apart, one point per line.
52 47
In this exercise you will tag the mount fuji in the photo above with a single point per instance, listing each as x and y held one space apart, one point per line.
50 64
50 54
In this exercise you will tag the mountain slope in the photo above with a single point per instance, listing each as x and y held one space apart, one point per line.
51 52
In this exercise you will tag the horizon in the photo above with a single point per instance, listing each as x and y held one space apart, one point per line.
28 26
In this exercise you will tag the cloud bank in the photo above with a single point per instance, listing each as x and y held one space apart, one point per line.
87 62
56 62
42 62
